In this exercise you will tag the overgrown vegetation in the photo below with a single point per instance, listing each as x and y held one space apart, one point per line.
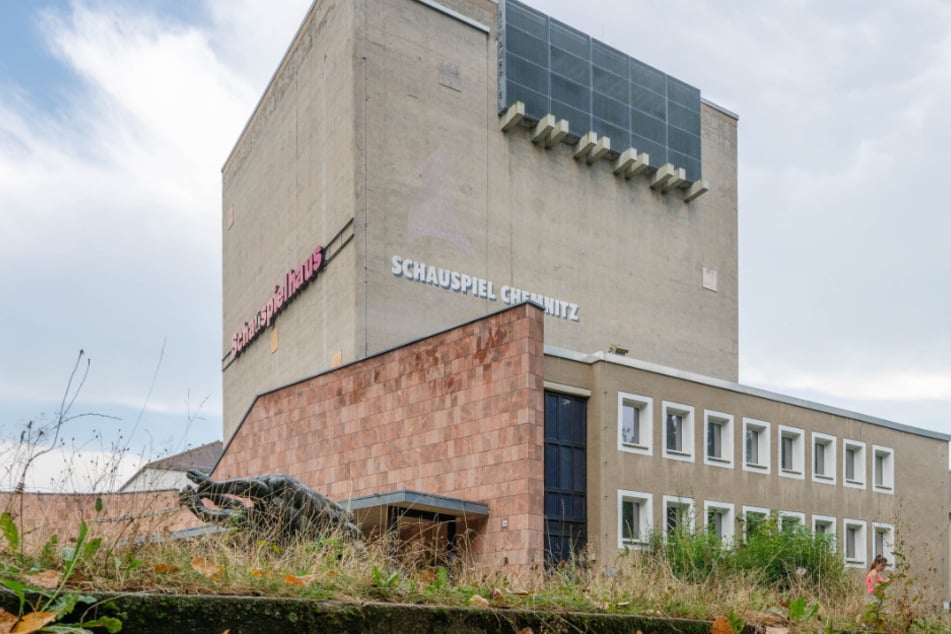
771 577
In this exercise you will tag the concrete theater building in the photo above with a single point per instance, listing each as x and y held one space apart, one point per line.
484 266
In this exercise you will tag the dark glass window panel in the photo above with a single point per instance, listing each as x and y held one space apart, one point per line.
648 127
570 93
657 151
682 160
648 102
686 119
551 463
578 469
614 112
564 418
570 39
570 66
683 142
536 104
577 422
579 120
564 468
551 504
551 415
609 58
620 138
524 72
610 84
518 42
683 93
648 77
527 19
577 508
692 167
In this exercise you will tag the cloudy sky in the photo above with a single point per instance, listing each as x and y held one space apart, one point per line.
116 116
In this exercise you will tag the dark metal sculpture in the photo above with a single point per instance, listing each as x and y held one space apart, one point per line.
281 508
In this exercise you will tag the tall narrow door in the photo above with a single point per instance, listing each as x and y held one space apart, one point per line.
565 476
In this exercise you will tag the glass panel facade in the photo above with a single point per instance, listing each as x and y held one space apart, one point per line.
554 68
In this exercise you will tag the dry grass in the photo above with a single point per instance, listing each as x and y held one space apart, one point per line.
637 583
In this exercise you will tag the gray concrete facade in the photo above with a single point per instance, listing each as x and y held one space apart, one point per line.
904 505
382 122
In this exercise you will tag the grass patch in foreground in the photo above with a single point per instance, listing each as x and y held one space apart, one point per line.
772 577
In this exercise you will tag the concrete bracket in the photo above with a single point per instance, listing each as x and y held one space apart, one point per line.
512 116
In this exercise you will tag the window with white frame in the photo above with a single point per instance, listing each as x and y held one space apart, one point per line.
824 525
823 458
791 521
719 439
720 520
883 541
883 469
755 445
678 514
853 463
678 431
635 423
634 518
792 452
753 517
853 537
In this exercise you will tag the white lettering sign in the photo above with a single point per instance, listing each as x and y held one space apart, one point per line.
446 279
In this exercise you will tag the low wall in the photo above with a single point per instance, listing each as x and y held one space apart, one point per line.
123 516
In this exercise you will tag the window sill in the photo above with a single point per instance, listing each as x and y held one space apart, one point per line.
791 472
673 453
824 477
760 467
719 459
633 445
881 487
854 483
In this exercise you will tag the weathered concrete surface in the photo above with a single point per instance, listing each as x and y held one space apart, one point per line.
201 614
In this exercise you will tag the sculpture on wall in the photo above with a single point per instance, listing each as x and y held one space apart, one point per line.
281 507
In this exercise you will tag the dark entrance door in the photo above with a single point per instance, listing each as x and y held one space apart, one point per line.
565 471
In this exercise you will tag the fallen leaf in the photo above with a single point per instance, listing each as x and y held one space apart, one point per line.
526 630
164 568
426 576
721 626
496 593
257 572
33 622
478 601
7 621
48 579
204 567
299 581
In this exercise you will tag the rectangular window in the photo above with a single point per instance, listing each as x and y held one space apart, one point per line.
853 463
753 516
883 541
635 423
791 521
675 432
823 458
634 518
756 445
678 431
714 439
719 439
720 520
824 526
678 514
791 452
854 538
883 461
